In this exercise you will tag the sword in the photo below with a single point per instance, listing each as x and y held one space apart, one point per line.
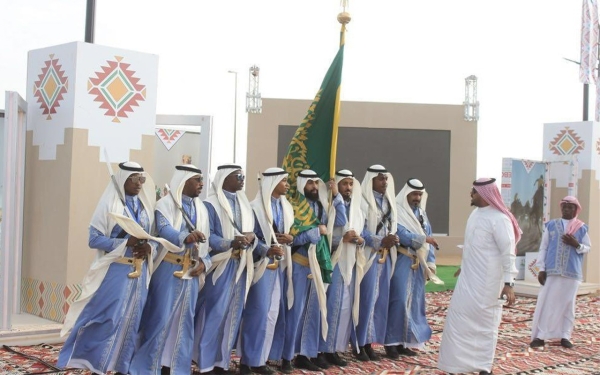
137 262
191 257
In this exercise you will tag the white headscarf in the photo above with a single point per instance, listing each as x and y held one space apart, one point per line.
167 207
217 198
370 208
110 201
407 218
264 213
308 175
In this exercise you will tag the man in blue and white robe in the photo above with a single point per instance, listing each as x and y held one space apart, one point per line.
263 323
104 320
221 301
342 296
374 275
306 319
407 325
167 327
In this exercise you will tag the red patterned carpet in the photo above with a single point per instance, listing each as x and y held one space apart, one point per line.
513 355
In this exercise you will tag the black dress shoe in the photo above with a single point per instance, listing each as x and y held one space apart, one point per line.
485 373
305 363
391 352
536 343
245 369
286 366
371 353
165 370
361 355
335 359
321 361
405 351
565 343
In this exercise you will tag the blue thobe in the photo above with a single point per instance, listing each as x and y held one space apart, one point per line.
220 303
263 321
340 299
167 327
105 334
374 288
303 322
407 324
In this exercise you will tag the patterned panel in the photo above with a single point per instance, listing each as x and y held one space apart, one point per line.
169 137
116 89
50 87
47 300
567 142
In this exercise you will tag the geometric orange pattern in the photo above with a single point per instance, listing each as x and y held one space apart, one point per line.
169 137
47 299
116 89
566 142
50 87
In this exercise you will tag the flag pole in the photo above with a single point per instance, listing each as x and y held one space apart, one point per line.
343 18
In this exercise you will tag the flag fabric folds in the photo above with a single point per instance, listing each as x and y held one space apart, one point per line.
313 147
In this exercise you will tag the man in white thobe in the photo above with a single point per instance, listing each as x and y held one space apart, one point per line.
484 285
560 260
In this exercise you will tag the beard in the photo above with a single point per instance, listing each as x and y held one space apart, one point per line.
313 195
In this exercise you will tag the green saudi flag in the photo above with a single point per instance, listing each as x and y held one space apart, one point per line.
314 147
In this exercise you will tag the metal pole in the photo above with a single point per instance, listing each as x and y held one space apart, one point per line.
90 18
234 116
586 94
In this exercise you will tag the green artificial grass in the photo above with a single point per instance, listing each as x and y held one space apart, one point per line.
446 273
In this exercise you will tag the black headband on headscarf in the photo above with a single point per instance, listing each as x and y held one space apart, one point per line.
276 173
228 166
189 169
308 174
482 183
131 169
343 174
378 170
422 187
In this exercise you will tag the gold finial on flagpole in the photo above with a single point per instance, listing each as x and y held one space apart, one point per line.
344 17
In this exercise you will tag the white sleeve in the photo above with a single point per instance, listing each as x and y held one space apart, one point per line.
541 259
585 245
505 240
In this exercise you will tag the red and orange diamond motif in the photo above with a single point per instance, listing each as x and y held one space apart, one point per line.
50 87
117 89
566 142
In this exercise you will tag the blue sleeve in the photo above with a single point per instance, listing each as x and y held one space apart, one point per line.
340 211
371 240
217 243
260 251
99 241
409 239
428 230
308 236
166 231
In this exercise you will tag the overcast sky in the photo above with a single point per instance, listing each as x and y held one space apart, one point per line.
404 51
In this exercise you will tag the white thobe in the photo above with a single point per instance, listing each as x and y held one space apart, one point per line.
488 261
